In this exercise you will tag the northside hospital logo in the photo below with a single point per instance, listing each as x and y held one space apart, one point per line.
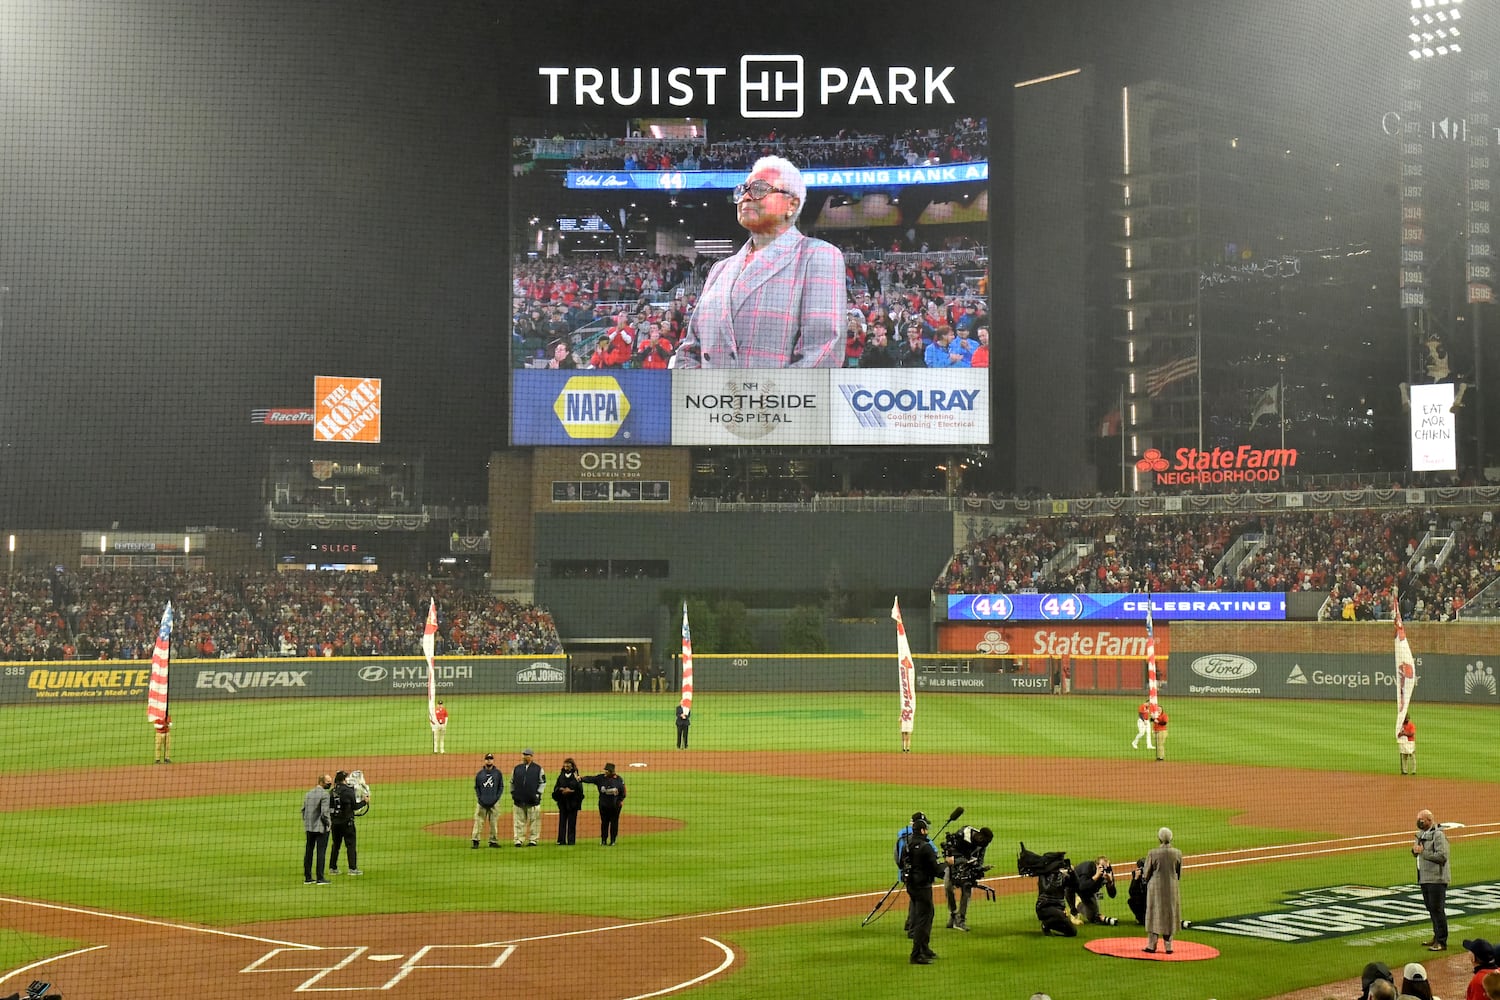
770 86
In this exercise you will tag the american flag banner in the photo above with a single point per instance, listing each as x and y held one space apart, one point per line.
1406 672
1150 656
1158 378
429 650
687 663
906 671
161 655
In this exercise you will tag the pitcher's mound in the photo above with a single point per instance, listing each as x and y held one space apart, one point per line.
1131 947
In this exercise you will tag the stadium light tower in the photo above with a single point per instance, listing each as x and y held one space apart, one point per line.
1434 29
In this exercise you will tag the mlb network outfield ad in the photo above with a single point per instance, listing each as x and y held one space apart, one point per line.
666 290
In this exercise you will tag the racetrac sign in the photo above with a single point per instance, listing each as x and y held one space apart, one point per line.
1245 465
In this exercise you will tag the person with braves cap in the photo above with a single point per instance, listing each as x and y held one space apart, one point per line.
919 871
488 784
611 798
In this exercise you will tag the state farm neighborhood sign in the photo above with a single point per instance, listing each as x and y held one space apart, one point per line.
1245 464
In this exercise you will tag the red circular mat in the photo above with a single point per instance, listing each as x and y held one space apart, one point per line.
1130 947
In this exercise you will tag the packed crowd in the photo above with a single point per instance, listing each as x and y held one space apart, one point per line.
927 314
1361 558
965 140
114 614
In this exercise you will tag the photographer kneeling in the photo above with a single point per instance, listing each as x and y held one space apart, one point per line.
963 853
1092 876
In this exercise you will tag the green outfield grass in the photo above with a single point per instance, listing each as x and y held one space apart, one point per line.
745 839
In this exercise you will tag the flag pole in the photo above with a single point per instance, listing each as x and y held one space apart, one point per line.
1123 427
1281 404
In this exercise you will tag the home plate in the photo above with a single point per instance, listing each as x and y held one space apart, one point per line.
1130 947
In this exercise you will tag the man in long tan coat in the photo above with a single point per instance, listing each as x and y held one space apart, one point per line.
1163 901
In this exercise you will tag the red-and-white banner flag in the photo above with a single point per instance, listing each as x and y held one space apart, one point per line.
161 655
687 663
1150 656
906 671
1406 672
429 650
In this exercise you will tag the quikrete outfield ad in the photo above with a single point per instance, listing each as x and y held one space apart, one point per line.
744 865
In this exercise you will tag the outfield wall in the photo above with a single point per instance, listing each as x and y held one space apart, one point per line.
57 681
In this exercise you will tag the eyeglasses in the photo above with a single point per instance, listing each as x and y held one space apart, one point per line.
757 190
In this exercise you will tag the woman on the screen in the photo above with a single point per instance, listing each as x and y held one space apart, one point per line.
780 302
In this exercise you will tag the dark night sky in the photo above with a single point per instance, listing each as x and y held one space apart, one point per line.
202 207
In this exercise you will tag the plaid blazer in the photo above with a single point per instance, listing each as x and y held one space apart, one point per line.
785 306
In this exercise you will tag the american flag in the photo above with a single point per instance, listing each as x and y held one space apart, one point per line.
156 696
429 650
687 663
1150 656
1158 378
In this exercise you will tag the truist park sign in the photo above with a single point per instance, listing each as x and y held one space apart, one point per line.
1242 466
768 86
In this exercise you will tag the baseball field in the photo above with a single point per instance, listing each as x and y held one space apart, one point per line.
746 863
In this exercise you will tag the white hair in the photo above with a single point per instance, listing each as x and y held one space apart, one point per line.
1164 835
791 178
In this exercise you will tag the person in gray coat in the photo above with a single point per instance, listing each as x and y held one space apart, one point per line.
316 823
1430 848
1163 901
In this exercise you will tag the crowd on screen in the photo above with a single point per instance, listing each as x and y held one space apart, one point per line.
1362 559
910 313
114 614
965 140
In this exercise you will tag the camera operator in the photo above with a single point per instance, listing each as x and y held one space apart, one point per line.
342 802
1136 895
964 857
919 868
1093 876
1056 897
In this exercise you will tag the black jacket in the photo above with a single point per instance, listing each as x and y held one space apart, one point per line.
567 791
342 811
921 862
526 783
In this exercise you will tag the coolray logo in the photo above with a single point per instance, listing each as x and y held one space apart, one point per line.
1324 913
373 674
239 680
592 406
1245 464
540 672
1296 676
770 86
871 406
1224 667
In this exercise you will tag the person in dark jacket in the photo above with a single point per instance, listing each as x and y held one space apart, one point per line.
1093 877
1136 896
488 784
527 782
919 871
342 801
1374 972
1056 897
684 719
611 798
567 792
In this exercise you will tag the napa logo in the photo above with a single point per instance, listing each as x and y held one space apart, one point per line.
592 407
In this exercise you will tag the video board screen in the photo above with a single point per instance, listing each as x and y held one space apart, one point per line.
844 301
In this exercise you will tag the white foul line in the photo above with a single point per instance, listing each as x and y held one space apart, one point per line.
147 920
